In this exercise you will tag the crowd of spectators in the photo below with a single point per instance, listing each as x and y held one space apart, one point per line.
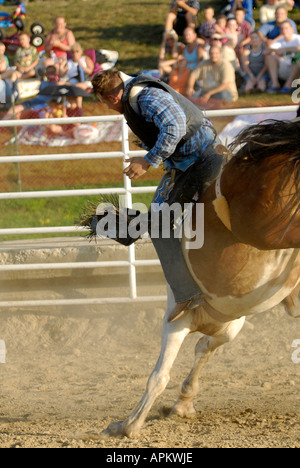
59 52
217 59
228 54
62 62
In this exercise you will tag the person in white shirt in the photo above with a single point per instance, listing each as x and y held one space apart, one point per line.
267 11
279 58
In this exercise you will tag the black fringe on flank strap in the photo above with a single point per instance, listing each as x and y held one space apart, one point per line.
108 207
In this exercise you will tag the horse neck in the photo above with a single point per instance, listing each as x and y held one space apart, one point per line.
259 197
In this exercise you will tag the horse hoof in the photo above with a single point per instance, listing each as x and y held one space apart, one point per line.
119 429
115 429
184 411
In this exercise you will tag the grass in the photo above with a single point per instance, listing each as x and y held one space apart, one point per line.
133 28
46 212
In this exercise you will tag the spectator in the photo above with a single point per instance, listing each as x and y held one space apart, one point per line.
244 27
254 65
78 69
267 11
37 103
220 27
228 52
51 74
168 53
279 57
55 110
180 75
270 32
62 109
26 58
193 51
58 42
7 90
247 5
206 29
217 77
234 37
4 63
182 14
5 70
73 109
232 33
295 73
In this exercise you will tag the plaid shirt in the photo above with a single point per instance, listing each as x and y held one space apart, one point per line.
159 107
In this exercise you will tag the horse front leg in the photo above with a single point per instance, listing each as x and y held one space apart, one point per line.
205 349
173 335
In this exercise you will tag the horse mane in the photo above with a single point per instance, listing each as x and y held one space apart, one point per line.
267 139
271 139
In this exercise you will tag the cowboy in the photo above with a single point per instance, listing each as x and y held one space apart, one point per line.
176 133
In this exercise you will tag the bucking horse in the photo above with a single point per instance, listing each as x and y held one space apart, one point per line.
249 262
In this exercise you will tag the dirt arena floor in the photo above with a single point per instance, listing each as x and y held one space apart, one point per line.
69 373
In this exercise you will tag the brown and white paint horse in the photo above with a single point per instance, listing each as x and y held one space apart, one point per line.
246 268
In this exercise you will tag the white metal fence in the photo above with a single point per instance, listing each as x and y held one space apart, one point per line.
127 190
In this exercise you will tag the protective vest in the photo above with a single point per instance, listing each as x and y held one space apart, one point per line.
147 131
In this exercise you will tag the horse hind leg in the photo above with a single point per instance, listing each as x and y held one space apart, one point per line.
292 303
205 349
173 335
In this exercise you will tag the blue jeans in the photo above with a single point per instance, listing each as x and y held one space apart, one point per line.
222 95
169 250
79 78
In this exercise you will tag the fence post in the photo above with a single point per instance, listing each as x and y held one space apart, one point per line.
16 144
128 198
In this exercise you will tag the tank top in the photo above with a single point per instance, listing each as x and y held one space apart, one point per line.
57 51
191 57
72 69
256 61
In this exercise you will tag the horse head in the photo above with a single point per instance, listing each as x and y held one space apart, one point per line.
261 185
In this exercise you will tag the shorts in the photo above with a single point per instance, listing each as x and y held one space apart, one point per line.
264 77
284 70
180 24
